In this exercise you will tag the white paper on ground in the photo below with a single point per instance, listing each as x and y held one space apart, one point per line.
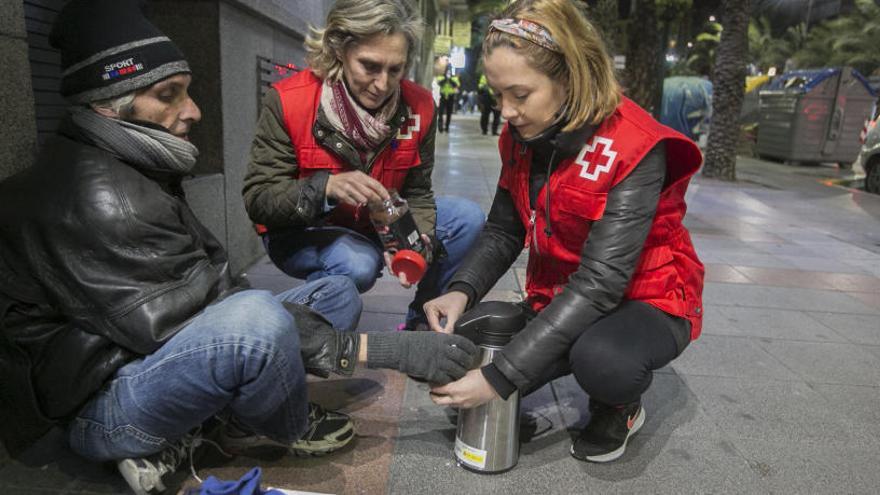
296 492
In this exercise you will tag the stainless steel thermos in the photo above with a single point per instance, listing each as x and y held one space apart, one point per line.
487 437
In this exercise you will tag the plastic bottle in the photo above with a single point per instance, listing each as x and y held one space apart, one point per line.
400 237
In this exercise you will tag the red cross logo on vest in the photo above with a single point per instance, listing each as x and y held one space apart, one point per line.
413 123
592 170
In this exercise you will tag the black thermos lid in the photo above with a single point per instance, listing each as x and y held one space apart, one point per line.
492 323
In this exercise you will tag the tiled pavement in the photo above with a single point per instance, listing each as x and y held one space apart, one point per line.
779 395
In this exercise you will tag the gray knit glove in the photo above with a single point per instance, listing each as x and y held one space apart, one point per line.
437 357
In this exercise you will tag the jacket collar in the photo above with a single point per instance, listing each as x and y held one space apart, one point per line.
327 136
566 143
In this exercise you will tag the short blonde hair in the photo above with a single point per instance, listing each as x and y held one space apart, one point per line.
353 21
584 66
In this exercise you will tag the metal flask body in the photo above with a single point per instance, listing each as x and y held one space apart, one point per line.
487 436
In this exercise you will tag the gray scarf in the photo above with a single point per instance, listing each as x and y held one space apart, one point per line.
145 147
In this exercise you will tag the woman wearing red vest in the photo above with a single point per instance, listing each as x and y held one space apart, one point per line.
341 134
594 187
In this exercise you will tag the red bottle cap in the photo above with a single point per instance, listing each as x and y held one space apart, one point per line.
410 263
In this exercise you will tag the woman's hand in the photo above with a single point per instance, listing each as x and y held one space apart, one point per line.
472 390
401 277
450 305
355 188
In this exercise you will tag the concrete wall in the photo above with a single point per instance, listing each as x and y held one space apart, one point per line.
222 40
245 36
424 65
18 130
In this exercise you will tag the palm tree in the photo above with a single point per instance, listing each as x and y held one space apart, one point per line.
644 56
764 50
849 40
604 15
728 79
479 8
706 43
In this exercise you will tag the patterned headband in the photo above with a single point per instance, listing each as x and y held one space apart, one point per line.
527 30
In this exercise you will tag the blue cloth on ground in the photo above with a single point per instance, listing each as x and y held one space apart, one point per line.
249 484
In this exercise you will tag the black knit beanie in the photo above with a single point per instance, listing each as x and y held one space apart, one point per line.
108 48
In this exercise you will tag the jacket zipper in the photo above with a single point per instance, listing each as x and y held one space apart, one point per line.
533 230
391 137
533 227
368 165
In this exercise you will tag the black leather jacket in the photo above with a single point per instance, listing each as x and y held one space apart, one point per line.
100 263
608 259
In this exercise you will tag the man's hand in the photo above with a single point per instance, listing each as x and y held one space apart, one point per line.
355 188
471 391
435 357
450 305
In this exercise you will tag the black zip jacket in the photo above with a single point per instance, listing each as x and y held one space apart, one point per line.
608 260
100 263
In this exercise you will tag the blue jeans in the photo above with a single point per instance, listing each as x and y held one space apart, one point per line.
317 252
240 355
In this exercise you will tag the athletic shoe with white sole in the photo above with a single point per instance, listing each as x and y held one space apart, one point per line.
328 431
150 475
605 436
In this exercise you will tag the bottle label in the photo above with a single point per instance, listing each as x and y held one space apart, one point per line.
401 234
469 455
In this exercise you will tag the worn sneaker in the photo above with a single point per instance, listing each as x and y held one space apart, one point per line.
328 431
149 475
605 436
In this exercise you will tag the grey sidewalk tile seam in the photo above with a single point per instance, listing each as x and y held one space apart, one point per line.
856 329
772 323
800 468
761 296
793 412
731 357
827 363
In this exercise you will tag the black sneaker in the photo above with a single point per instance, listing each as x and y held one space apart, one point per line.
150 475
604 438
328 431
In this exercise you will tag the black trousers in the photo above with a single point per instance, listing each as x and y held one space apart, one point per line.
484 119
615 358
447 103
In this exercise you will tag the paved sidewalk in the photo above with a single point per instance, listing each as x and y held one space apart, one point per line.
781 394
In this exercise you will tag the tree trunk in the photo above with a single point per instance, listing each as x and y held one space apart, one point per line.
604 16
728 79
644 56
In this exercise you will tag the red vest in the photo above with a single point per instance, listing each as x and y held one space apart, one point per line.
300 99
668 275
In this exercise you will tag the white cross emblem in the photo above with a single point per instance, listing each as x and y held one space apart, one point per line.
592 171
413 123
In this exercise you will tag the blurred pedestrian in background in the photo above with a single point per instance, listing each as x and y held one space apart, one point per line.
488 105
450 86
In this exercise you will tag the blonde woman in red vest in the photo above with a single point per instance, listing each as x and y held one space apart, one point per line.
594 187
339 135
